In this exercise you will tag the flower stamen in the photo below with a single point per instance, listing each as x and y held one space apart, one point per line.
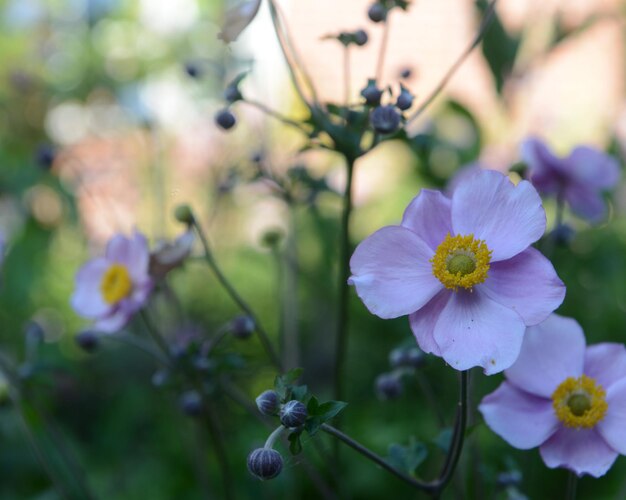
579 402
461 261
115 284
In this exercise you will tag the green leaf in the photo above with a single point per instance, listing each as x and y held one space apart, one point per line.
282 383
444 439
312 406
300 392
295 445
330 409
407 458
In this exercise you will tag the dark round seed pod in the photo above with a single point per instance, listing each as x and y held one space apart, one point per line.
360 38
265 463
405 100
388 386
193 70
88 341
293 414
385 119
415 357
372 94
242 326
225 119
563 235
398 358
377 13
268 402
190 403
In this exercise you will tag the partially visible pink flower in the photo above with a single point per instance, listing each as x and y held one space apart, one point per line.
111 289
463 270
577 179
567 399
170 255
237 19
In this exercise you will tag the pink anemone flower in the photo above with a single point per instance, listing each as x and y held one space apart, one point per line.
567 399
463 270
111 289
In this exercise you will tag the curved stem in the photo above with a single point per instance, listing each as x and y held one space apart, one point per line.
344 274
234 295
269 443
275 114
458 63
346 75
438 485
380 65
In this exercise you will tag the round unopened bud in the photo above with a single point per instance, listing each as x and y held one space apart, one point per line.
225 119
242 326
268 402
401 357
88 341
377 13
45 155
406 73
160 378
385 119
372 93
388 386
360 37
190 403
184 214
293 414
265 463
272 237
405 99
192 69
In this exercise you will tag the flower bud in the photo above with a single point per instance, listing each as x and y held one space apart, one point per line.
45 156
385 119
388 386
160 378
371 93
406 73
87 341
190 403
360 37
293 414
272 237
268 402
405 99
225 119
242 326
563 235
265 463
401 357
183 213
377 13
193 70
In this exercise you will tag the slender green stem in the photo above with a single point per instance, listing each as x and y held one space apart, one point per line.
234 295
380 65
220 450
452 458
139 344
271 439
344 274
484 25
275 114
156 336
572 483
346 75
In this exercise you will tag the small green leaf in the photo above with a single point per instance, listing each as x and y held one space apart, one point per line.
300 392
444 439
295 445
330 409
312 406
407 458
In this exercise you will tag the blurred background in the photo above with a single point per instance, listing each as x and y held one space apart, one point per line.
107 124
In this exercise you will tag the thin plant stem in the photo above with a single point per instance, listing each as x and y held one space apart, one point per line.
452 458
572 483
291 57
139 344
220 450
156 336
484 25
380 65
275 114
344 274
271 439
234 295
346 75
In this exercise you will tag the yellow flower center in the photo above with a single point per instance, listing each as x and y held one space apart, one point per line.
579 402
116 284
461 261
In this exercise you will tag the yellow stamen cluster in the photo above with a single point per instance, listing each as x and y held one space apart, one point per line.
461 261
115 284
579 402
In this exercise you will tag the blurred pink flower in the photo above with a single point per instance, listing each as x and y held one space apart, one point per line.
578 179
111 289
463 270
567 399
